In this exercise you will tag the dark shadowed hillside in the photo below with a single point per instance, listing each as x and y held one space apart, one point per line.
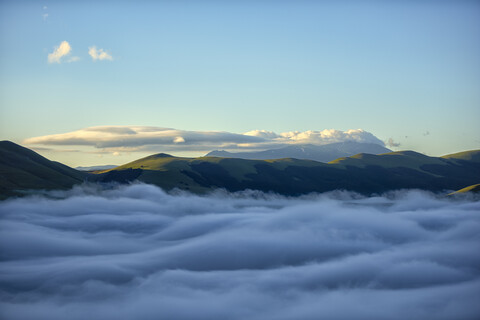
22 169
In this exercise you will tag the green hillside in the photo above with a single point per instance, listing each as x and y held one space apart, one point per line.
472 155
23 169
406 159
473 188
362 173
205 173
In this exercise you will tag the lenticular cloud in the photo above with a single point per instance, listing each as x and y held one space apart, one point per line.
135 252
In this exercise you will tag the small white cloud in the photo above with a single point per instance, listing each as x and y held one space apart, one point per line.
45 7
61 51
178 140
99 54
262 134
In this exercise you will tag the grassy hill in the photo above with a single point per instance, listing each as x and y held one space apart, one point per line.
23 169
472 155
364 173
475 188
201 174
406 159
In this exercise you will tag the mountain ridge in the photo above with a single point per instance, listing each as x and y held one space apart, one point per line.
364 173
96 168
323 153
22 169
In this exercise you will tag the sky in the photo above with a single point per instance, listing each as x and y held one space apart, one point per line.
405 72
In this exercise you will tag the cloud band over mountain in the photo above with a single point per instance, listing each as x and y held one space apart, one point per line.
138 138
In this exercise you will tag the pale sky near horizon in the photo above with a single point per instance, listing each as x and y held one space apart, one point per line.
405 70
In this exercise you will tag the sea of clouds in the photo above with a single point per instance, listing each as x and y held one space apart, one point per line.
136 252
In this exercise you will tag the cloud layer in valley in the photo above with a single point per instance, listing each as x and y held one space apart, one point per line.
135 252
141 138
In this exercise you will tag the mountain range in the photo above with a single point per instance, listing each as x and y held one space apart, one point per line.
322 153
23 170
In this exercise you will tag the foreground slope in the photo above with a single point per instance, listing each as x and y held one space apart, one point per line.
470 189
364 173
472 156
23 169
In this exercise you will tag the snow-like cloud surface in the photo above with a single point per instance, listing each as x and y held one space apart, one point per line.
136 252
138 137
331 136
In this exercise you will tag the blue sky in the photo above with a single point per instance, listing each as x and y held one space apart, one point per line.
406 70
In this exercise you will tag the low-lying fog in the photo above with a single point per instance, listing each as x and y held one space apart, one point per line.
136 252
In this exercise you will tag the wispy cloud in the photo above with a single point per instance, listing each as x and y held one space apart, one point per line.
73 59
61 52
391 143
141 138
99 54
45 14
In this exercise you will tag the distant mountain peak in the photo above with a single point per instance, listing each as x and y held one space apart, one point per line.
162 155
322 153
